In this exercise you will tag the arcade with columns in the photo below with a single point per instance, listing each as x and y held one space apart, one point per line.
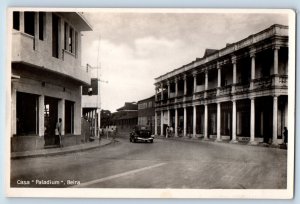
238 93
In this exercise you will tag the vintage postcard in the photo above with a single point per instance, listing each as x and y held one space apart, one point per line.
150 103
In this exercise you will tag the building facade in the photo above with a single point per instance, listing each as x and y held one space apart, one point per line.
126 117
146 112
91 104
237 93
46 77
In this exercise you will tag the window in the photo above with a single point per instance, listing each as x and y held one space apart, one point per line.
29 23
76 44
69 117
71 40
55 23
16 20
41 25
65 36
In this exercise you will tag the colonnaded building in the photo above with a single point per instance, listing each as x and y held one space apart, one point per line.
46 77
236 93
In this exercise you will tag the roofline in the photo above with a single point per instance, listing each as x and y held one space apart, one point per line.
196 62
146 98
85 20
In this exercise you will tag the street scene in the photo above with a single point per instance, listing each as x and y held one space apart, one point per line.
155 99
162 164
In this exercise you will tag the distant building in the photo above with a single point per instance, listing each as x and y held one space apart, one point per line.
91 103
239 92
126 117
46 78
146 112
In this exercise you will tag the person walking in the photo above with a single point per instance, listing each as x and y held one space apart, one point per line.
58 132
285 135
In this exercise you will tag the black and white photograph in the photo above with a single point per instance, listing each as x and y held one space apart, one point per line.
150 103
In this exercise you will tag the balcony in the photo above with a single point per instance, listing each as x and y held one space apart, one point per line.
242 88
199 95
27 49
262 83
225 90
211 93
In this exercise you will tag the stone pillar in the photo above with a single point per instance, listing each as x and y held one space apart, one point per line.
252 55
219 121
162 123
61 114
219 79
185 86
184 121
233 60
168 84
206 80
169 119
176 122
233 122
176 87
195 82
275 72
275 115
22 21
155 93
205 122
194 120
155 123
41 115
252 119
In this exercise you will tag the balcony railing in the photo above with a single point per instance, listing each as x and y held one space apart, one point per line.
283 80
242 87
211 93
262 83
199 95
225 90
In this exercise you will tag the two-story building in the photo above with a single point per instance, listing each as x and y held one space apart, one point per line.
236 93
46 77
146 112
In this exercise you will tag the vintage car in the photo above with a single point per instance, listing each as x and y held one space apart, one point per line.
141 133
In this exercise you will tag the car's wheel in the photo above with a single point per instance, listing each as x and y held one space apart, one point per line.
151 141
130 140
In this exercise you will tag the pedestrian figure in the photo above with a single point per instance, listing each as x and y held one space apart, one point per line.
167 131
58 132
171 131
285 135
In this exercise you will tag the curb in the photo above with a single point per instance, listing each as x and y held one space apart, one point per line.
46 154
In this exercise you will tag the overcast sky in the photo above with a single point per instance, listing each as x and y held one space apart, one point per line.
135 48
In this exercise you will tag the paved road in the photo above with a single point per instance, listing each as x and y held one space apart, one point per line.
163 164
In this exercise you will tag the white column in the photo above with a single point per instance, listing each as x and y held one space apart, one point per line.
233 122
219 121
155 93
233 73
41 115
169 119
275 115
219 79
176 87
162 123
176 122
184 121
195 82
252 119
155 123
185 85
194 120
205 122
206 80
95 123
252 70
162 91
275 60
168 84
61 114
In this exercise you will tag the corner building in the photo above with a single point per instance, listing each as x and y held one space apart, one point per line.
238 93
46 78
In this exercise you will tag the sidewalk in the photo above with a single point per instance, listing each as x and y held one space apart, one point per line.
192 139
59 151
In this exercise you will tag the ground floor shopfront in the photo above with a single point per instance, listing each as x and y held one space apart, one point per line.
256 119
37 102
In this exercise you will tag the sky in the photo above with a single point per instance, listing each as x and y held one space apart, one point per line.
132 48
